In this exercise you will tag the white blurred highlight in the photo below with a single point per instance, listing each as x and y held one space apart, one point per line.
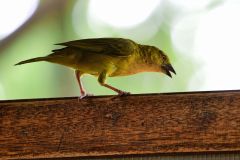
217 46
13 13
191 4
122 13
183 33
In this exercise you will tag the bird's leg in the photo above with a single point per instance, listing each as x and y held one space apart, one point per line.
120 92
82 90
101 80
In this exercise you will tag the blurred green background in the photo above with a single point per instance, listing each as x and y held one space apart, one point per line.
200 37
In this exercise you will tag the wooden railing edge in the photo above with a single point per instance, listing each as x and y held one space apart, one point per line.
189 122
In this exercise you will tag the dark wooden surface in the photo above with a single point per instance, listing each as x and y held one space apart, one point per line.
137 124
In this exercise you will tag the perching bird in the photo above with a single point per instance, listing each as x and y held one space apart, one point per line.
108 57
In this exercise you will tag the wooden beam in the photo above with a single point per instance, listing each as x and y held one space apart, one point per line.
107 126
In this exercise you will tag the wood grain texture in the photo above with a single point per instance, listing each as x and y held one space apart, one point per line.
137 124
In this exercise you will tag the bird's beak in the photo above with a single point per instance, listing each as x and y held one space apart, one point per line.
167 69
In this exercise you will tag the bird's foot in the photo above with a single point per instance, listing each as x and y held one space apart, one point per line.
123 93
85 95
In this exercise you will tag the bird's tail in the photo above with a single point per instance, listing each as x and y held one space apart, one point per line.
33 60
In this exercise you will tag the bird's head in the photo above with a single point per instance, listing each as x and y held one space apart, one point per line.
156 59
161 60
165 64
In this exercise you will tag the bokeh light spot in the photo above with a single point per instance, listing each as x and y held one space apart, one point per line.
183 33
191 4
13 13
123 13
217 46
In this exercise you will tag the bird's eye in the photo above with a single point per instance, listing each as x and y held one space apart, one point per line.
164 58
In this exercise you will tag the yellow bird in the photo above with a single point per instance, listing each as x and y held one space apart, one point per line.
108 57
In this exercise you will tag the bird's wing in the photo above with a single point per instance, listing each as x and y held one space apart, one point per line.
109 46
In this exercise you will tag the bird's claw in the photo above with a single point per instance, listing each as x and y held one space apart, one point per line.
85 95
81 97
123 93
